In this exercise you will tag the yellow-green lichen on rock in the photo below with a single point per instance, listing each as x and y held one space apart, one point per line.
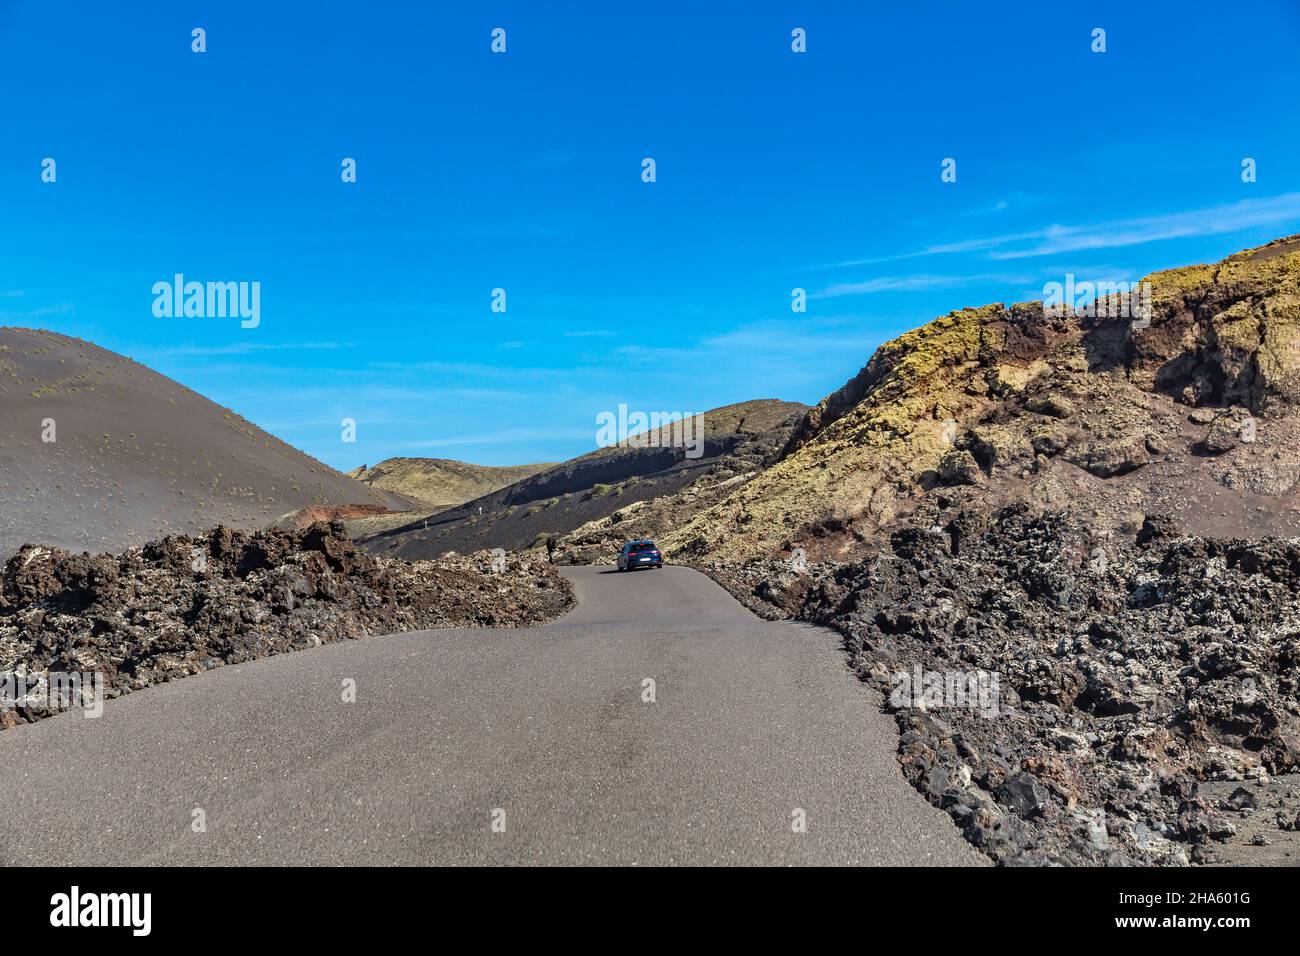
985 401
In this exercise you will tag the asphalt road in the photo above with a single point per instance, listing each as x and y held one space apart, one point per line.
542 731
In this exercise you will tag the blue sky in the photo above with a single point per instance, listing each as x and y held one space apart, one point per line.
775 170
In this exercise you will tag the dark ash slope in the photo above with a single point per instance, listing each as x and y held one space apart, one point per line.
137 455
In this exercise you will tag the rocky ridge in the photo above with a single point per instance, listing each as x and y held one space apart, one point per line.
1124 673
1191 411
1095 512
183 605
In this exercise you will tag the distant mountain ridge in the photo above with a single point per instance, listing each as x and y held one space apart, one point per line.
737 439
443 481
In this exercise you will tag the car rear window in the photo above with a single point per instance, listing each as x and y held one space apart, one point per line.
643 546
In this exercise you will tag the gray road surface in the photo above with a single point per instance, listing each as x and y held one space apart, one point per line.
543 729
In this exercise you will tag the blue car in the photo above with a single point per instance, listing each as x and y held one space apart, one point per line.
639 554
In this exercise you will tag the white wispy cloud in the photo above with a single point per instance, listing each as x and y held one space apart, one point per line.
492 438
65 308
246 348
1216 220
1012 200
911 283
1116 233
802 335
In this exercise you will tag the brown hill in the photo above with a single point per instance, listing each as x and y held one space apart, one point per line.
443 482
136 455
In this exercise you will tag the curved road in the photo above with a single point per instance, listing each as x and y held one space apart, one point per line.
543 729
